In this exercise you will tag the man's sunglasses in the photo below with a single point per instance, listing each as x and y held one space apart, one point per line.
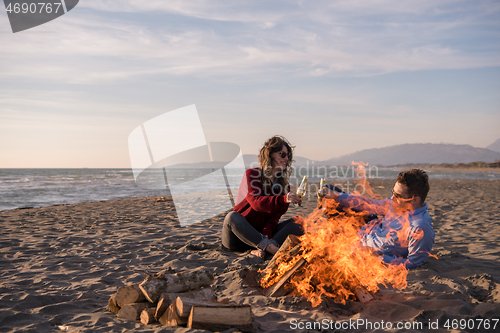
400 197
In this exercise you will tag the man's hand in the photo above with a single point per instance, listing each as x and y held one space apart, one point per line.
328 194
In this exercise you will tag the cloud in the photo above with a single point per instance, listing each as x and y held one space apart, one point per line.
256 40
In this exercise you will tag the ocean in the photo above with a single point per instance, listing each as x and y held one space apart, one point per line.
24 188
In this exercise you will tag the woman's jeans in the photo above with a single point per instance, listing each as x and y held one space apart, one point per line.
239 235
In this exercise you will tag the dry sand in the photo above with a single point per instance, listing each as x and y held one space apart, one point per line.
60 264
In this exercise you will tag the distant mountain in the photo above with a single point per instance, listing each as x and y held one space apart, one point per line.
417 153
495 146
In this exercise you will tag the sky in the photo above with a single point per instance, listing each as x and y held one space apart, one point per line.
333 77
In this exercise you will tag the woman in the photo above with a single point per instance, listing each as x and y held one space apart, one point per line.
263 197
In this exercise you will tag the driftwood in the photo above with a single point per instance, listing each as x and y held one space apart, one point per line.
153 286
148 316
171 318
128 295
132 311
168 298
221 318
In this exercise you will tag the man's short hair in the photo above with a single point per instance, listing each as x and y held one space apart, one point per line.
417 182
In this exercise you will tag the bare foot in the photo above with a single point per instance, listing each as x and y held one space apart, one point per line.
258 253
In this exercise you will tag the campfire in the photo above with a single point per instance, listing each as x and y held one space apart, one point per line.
329 261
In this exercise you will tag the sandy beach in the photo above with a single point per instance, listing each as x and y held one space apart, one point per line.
60 264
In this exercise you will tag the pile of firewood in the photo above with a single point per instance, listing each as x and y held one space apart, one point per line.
181 299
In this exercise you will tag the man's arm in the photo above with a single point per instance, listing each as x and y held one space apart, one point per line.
419 247
371 206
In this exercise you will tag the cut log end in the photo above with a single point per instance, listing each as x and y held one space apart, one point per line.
112 306
171 317
132 311
148 316
221 318
128 295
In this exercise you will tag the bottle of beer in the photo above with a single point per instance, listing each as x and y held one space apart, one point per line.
321 194
301 191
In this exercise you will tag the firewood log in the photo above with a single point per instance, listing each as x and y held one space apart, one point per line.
272 291
152 287
148 316
221 318
112 306
290 242
362 294
184 305
168 298
132 311
171 318
128 295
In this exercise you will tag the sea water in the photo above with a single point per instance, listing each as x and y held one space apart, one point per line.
22 188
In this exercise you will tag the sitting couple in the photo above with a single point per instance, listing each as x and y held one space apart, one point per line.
264 196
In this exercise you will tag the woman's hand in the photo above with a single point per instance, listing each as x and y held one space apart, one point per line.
292 198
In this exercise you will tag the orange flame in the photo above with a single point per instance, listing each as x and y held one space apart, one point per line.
337 263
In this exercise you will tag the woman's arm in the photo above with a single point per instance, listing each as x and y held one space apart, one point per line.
260 202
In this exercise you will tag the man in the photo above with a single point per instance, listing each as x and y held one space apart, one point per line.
405 234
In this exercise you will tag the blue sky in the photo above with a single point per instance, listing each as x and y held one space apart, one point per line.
334 77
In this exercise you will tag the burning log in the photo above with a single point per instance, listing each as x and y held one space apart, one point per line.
221 318
289 249
271 292
290 242
363 295
329 261
153 286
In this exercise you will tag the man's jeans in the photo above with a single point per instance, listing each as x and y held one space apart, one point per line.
239 235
